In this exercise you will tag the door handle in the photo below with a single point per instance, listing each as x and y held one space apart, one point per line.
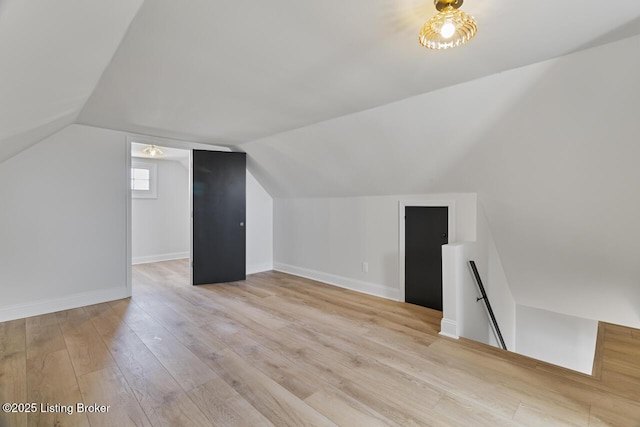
443 235
242 224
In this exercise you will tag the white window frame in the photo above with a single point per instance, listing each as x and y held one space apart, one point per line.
152 192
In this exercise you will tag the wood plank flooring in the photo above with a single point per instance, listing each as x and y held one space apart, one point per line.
620 365
279 350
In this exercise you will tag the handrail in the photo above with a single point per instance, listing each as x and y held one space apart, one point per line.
496 328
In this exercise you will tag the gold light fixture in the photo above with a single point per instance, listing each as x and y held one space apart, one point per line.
152 151
450 27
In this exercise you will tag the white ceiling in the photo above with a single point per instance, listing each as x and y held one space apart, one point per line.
230 72
52 54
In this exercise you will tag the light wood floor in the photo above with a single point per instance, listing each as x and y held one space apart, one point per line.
284 351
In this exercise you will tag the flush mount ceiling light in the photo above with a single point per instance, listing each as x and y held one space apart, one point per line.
450 27
152 151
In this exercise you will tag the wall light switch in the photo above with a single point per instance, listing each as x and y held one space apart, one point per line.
365 267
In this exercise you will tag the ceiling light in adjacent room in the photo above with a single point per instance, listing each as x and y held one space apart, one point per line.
152 151
450 27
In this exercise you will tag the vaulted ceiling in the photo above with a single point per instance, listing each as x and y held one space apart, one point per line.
231 72
228 72
52 55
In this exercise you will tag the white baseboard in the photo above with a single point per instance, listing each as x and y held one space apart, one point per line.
448 328
36 308
259 268
340 281
158 258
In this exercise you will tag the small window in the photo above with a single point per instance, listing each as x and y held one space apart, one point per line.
143 180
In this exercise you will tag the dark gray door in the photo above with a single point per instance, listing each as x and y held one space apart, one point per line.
219 209
425 233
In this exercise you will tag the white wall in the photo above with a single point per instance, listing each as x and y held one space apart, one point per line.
556 338
160 227
495 282
63 223
463 315
328 239
557 176
259 227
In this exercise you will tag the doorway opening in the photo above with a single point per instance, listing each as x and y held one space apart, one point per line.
176 224
160 207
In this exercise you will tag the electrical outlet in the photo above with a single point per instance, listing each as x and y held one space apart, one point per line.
365 267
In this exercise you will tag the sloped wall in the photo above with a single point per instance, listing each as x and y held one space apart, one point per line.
53 54
490 268
558 177
63 223
551 149
259 227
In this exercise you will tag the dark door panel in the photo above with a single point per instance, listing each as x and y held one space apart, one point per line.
425 232
219 216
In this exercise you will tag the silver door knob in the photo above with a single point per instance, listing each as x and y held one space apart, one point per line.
242 224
